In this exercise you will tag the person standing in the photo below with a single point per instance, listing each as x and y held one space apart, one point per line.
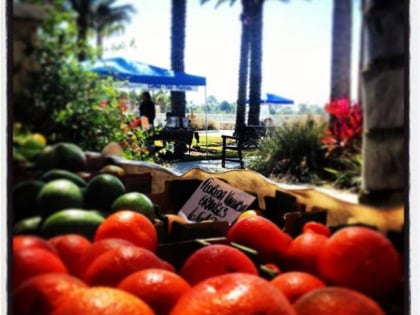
147 107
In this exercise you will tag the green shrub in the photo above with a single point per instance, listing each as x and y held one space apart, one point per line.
61 99
292 152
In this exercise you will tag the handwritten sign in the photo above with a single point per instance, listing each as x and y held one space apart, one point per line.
216 201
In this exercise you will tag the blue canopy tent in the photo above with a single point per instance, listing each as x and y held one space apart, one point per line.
270 98
138 74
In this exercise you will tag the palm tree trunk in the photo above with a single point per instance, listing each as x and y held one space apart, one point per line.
99 42
82 26
341 49
179 13
255 75
361 54
384 96
243 75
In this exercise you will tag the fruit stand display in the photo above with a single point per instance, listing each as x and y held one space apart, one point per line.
91 227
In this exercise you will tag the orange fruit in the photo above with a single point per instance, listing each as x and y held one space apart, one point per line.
303 252
233 294
336 301
30 262
69 248
316 227
116 264
159 288
362 259
100 301
263 235
171 218
95 250
31 241
294 284
131 226
41 293
214 260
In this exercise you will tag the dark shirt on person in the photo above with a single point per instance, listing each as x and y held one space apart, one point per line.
147 108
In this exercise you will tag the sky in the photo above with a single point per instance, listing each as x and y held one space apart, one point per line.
296 45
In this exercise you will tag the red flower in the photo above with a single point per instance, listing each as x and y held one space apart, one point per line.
103 104
135 123
348 124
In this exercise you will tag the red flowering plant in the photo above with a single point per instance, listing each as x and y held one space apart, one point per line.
342 141
133 139
345 131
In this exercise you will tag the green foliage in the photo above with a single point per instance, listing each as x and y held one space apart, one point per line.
61 99
292 152
26 145
135 141
347 171
342 142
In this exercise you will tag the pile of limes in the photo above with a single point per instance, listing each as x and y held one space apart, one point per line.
59 200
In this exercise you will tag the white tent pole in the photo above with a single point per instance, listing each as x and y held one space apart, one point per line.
205 119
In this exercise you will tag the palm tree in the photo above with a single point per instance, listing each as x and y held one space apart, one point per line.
255 73
250 57
84 12
341 49
108 19
178 22
100 16
384 96
243 73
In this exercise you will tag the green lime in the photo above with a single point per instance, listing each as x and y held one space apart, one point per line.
135 201
102 190
24 199
45 160
27 226
78 221
62 174
30 149
70 157
31 143
57 195
62 155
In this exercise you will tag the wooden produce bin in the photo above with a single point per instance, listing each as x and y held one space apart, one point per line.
170 190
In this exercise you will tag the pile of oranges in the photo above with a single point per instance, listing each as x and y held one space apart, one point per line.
351 271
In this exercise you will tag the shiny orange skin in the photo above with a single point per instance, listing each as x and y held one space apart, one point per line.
362 259
233 294
41 293
30 262
303 252
69 248
101 301
263 235
31 241
131 226
113 266
336 301
214 260
159 288
294 284
95 250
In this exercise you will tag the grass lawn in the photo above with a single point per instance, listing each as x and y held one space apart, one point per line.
213 149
